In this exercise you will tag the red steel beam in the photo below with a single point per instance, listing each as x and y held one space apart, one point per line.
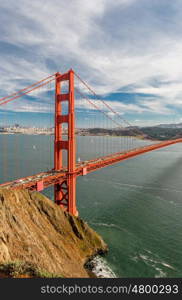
32 182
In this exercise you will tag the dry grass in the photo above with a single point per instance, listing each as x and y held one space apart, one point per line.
34 229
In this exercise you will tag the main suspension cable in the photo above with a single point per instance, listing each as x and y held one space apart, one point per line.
27 90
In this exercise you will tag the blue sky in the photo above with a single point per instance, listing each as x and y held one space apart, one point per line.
129 51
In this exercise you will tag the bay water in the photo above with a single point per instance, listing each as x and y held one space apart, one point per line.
135 205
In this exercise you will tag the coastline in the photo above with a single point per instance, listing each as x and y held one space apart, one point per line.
97 267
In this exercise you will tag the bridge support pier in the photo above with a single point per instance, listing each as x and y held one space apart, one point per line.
65 191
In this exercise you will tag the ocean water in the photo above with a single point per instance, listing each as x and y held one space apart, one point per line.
135 205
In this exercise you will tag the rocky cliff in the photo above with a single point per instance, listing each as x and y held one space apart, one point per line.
35 232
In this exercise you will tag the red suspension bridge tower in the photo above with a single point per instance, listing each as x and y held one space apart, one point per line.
65 190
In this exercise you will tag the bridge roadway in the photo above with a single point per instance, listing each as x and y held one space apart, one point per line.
45 179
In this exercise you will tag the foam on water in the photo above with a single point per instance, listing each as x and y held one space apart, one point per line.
108 225
156 263
101 269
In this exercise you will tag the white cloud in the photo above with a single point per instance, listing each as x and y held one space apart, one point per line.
112 44
27 106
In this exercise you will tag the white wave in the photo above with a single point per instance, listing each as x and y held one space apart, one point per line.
148 251
151 263
134 258
144 257
101 268
108 225
155 263
167 265
161 274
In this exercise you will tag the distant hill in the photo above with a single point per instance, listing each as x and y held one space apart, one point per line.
162 133
178 125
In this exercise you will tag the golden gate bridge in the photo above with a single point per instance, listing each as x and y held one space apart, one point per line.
63 174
